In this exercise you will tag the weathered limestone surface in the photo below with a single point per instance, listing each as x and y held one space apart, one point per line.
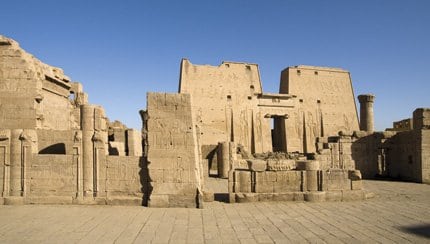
326 104
401 154
296 185
230 106
32 92
173 153
54 145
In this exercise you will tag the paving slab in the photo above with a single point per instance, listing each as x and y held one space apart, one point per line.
399 213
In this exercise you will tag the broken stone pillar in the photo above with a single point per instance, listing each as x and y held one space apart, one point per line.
87 127
223 159
366 112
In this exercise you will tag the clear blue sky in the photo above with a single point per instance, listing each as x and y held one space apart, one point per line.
120 50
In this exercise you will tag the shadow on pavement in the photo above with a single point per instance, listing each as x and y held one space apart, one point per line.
221 197
421 230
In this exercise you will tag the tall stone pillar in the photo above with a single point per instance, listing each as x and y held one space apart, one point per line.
366 112
87 127
223 156
77 160
16 188
100 150
4 163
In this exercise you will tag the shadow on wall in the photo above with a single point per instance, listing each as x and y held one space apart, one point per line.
145 180
113 151
364 153
58 148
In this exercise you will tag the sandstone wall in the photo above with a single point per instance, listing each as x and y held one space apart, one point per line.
295 185
55 141
401 155
425 156
230 106
126 176
326 103
173 152
223 97
32 94
52 175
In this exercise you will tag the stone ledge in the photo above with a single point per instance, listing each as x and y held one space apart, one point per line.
49 200
126 201
14 201
310 196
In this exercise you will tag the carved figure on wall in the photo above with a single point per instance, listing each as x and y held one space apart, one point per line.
97 137
382 162
3 135
77 136
243 152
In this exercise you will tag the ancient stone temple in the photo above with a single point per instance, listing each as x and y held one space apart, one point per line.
305 143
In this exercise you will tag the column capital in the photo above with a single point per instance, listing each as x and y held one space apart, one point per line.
366 98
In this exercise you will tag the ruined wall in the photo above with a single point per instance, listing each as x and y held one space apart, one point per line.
53 144
403 125
401 155
326 104
425 156
55 109
404 158
32 93
126 178
173 152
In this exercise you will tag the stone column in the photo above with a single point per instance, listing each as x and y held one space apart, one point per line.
87 127
366 112
16 189
4 162
77 160
223 157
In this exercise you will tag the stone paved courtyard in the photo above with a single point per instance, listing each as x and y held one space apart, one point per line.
399 213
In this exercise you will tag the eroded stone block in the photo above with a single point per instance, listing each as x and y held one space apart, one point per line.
257 165
288 181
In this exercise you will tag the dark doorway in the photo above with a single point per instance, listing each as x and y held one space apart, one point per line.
279 142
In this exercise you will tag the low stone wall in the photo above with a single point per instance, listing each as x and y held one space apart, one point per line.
126 180
295 185
52 175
